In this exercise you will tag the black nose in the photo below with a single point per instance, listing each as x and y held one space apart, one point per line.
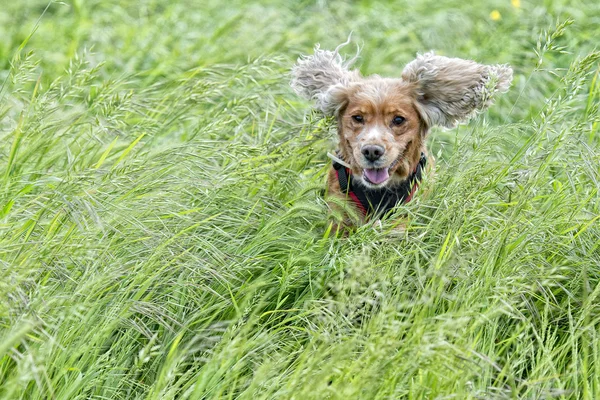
372 152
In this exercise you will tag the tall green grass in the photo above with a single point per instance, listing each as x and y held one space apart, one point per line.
163 235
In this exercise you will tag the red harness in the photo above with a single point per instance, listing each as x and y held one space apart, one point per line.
379 201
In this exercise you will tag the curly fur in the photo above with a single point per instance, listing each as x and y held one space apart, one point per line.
451 90
433 90
447 90
322 76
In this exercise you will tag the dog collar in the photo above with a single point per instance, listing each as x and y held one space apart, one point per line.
379 201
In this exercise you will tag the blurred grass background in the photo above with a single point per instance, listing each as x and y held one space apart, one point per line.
162 233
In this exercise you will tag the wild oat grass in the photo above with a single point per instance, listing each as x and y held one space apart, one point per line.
163 235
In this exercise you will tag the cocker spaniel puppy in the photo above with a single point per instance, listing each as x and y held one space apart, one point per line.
383 122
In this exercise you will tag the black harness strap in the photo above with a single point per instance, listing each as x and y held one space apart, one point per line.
379 201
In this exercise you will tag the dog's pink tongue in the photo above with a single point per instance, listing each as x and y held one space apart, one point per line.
377 176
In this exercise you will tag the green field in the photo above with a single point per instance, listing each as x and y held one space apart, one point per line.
163 233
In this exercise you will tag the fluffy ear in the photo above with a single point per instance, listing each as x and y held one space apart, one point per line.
324 77
451 90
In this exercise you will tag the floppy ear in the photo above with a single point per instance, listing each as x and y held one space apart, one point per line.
451 90
324 77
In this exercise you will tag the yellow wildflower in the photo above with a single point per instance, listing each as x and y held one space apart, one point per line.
516 3
495 15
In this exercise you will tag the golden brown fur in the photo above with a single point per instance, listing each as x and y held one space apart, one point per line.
383 122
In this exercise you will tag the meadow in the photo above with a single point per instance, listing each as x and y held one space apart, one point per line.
163 233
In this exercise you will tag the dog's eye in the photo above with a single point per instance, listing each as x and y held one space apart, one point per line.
398 120
358 118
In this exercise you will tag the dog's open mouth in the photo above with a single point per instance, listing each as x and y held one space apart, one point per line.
377 176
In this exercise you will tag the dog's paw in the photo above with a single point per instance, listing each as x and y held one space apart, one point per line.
378 226
398 231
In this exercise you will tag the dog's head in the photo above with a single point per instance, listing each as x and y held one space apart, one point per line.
382 122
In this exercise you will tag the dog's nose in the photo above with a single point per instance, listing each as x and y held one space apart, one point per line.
372 152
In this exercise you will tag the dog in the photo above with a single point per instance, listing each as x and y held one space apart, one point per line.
383 123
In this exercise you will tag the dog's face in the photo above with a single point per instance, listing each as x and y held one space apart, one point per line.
382 122
380 130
